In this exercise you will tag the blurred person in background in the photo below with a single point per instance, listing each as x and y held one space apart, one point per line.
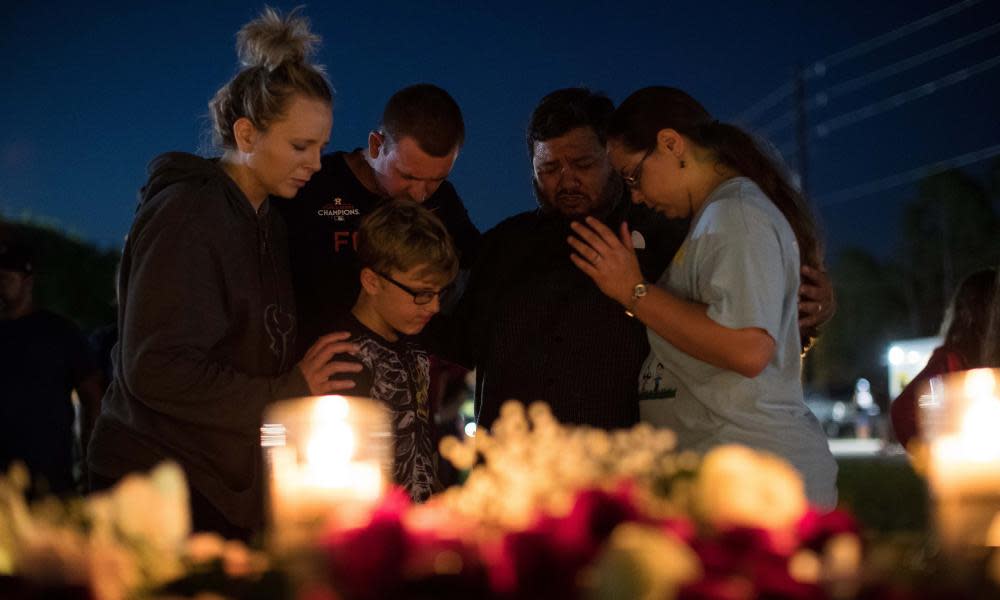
991 341
965 333
43 359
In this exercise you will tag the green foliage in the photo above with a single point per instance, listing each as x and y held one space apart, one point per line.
72 277
948 231
871 312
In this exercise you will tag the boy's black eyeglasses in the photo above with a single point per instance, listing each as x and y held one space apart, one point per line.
419 296
632 179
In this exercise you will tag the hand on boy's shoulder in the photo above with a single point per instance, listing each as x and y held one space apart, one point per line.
324 363
360 379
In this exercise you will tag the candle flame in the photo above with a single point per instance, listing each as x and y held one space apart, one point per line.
980 384
981 418
331 442
330 409
979 430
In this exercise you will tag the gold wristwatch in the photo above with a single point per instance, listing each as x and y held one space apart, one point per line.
637 292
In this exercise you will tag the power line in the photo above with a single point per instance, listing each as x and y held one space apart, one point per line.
765 103
891 181
895 101
776 125
907 63
802 133
822 98
819 68
890 36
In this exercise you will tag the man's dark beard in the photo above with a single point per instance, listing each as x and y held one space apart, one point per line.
610 196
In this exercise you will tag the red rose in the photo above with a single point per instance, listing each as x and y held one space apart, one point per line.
742 559
816 528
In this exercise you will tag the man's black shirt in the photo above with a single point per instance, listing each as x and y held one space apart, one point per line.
537 328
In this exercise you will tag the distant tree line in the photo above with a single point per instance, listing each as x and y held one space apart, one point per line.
72 277
950 229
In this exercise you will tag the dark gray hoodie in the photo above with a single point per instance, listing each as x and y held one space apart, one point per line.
207 334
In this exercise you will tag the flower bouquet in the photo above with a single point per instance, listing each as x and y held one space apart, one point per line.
547 511
550 511
129 542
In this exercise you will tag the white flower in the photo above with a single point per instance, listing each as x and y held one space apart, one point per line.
113 570
643 562
148 514
134 501
174 507
100 509
119 542
842 565
15 523
533 465
737 486
153 509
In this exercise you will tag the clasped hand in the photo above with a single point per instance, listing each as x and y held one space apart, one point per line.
608 259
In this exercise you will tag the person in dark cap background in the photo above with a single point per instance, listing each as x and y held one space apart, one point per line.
43 358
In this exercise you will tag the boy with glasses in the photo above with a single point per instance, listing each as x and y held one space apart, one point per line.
408 157
408 263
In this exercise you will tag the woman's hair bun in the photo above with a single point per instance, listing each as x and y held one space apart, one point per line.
272 39
275 52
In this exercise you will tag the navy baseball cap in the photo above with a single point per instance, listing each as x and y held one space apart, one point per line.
15 257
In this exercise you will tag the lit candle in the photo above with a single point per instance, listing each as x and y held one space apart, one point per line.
327 459
964 458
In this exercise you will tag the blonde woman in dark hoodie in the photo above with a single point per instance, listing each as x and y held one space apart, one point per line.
206 313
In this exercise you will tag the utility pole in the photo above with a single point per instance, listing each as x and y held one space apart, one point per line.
802 129
802 144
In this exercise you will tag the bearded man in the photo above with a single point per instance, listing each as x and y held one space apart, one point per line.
531 324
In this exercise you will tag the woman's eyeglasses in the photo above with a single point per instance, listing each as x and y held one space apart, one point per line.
632 179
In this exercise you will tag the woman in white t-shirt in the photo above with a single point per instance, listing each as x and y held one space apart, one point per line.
724 365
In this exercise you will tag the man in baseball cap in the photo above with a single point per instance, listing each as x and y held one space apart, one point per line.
43 358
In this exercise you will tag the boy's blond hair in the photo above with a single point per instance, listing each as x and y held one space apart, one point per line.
401 234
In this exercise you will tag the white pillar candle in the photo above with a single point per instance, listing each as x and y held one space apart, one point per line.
327 459
964 457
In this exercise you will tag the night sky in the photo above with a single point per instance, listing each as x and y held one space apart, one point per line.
92 91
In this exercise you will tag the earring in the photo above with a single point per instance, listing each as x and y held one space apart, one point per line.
683 164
